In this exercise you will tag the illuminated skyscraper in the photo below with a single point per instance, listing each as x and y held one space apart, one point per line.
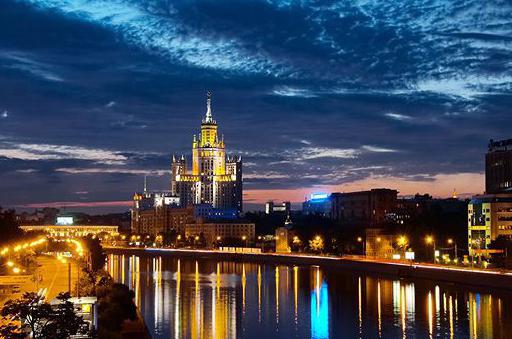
215 179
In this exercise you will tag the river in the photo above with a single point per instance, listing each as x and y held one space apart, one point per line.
188 298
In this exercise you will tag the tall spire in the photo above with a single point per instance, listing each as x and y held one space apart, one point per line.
209 118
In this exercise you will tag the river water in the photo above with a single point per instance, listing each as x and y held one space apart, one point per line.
188 298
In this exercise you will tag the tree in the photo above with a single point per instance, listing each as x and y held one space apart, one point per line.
116 305
316 244
31 314
9 227
97 255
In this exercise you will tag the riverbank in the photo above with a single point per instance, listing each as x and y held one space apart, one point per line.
459 275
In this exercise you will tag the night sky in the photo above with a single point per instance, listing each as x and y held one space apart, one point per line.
315 95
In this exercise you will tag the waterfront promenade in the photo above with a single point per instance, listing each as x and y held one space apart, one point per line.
488 278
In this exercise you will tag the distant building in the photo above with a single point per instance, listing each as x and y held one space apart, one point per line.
271 207
489 216
215 179
363 208
158 212
318 204
498 167
66 231
211 230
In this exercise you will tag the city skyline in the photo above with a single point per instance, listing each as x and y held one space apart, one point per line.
96 95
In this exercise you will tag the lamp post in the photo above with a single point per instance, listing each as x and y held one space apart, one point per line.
363 242
244 238
430 240
450 242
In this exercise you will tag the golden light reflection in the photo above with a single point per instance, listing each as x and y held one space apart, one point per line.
403 310
243 289
430 316
123 270
277 295
259 293
295 291
360 306
450 305
379 309
177 302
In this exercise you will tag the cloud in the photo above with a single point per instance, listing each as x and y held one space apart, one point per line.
111 104
23 62
288 91
377 149
24 151
63 204
4 114
399 117
308 153
162 34
72 170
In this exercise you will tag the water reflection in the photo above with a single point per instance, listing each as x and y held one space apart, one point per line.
185 298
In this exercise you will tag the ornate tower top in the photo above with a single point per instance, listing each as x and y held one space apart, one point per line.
209 119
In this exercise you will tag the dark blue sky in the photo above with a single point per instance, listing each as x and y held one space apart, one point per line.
315 95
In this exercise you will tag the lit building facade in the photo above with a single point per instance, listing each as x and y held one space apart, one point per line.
66 231
271 207
212 230
215 179
489 216
498 167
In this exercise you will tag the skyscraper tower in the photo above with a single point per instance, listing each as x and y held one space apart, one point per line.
215 179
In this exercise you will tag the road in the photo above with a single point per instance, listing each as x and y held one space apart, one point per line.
54 275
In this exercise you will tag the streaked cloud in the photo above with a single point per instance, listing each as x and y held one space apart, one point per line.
377 149
399 117
23 151
111 170
25 63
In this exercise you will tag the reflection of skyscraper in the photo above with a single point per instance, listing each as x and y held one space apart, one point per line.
215 179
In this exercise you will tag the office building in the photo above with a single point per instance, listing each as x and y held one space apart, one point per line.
363 208
498 167
489 216
318 204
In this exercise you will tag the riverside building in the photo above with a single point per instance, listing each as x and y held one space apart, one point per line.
215 178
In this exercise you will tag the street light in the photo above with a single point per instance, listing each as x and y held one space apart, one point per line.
360 239
450 242
430 240
244 238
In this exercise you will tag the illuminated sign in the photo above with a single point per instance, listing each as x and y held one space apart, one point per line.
317 196
64 220
409 255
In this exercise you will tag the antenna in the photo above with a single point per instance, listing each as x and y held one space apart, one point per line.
145 184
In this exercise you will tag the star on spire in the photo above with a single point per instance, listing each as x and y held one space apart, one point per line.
209 118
